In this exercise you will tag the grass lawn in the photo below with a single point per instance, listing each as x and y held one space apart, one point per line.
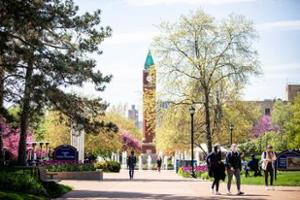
53 191
284 178
18 196
291 178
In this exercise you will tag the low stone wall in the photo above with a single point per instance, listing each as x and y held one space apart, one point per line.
93 175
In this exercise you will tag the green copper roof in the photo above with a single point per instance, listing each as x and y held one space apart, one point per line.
149 61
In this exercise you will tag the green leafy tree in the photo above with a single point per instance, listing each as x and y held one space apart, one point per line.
240 114
292 126
198 54
281 113
50 46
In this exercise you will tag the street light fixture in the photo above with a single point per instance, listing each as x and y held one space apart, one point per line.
231 127
192 112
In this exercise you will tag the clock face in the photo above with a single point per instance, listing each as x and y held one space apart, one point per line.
149 79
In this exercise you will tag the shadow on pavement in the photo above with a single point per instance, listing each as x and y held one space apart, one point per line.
82 194
149 180
288 190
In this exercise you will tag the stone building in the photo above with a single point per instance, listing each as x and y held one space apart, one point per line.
133 114
292 90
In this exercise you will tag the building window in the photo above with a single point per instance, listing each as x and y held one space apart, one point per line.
268 111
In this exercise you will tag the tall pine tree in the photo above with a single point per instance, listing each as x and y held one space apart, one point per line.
46 48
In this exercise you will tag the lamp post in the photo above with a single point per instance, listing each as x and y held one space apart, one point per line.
231 129
192 112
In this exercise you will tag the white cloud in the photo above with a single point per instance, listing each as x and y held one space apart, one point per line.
130 37
171 2
280 25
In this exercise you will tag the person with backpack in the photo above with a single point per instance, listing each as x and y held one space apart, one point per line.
131 161
216 168
234 167
268 158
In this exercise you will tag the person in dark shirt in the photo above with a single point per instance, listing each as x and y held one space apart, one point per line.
159 162
216 168
131 161
253 166
234 167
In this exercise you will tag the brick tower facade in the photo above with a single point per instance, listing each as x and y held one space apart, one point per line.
149 105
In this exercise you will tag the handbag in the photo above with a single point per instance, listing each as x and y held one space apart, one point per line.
264 165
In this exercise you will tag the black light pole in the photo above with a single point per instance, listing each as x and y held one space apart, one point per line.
192 112
231 129
260 144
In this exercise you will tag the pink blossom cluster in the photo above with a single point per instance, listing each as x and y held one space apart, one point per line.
130 142
264 125
11 138
199 168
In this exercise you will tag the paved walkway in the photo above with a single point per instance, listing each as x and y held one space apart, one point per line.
167 185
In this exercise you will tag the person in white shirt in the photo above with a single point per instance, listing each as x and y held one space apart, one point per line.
268 158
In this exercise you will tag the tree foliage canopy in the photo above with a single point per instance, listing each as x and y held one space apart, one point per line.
198 55
45 47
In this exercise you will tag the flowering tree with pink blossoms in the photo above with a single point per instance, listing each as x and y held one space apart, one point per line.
264 125
130 142
10 138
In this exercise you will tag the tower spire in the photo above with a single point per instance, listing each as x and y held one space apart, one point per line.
149 61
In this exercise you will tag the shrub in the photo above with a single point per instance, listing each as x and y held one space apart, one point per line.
204 176
186 171
55 190
108 166
101 165
67 166
113 166
21 183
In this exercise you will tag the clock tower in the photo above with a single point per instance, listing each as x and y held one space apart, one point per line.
149 105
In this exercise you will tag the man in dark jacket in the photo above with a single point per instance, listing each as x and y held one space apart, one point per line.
131 161
234 166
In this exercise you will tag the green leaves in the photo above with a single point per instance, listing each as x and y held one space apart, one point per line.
60 41
46 45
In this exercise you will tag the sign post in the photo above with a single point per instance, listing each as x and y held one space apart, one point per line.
65 152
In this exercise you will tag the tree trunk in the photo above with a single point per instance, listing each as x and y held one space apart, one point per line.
1 107
207 121
1 83
25 115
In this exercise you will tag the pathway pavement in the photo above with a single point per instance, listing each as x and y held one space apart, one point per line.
166 185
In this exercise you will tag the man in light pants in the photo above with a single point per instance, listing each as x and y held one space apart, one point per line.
234 166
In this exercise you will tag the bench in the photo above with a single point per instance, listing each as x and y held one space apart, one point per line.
45 176
51 174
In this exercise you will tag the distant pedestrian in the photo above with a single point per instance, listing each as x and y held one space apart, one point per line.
131 161
216 168
268 158
159 161
234 167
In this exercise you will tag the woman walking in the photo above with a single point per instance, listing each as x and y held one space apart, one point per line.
268 158
216 168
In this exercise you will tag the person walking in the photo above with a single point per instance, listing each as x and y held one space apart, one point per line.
268 158
216 168
159 161
131 161
234 166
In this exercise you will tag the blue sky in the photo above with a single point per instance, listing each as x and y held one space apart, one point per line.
133 23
